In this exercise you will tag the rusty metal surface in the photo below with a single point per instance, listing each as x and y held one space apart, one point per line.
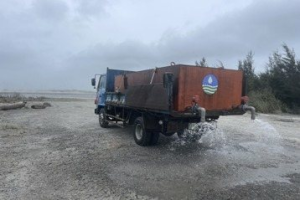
110 78
228 93
187 83
152 97
144 78
120 83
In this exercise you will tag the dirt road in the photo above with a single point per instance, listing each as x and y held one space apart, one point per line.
62 153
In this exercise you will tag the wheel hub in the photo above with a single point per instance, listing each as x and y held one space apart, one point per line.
138 132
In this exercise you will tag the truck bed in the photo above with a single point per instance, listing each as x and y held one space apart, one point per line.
187 83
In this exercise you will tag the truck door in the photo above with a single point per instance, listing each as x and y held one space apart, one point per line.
102 90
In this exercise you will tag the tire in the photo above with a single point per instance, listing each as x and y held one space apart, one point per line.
140 135
102 118
154 138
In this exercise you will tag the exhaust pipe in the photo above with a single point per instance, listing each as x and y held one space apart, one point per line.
251 109
202 113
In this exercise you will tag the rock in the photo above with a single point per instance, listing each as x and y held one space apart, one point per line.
38 106
46 104
41 105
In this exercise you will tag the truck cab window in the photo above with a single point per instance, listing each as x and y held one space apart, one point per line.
102 83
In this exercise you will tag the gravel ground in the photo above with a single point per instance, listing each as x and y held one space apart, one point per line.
61 153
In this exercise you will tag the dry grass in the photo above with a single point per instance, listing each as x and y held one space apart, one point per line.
8 127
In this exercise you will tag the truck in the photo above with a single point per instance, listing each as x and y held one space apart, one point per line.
167 100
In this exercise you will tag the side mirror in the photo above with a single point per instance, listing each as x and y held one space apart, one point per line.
93 81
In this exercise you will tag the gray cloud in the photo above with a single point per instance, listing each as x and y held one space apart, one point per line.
52 10
92 7
259 27
61 49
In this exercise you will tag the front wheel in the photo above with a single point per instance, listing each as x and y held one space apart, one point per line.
141 136
102 118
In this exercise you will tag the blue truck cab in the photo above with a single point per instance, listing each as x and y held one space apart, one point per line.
106 84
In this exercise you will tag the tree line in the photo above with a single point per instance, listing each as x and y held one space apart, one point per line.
277 89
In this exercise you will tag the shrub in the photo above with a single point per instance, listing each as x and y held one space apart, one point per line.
264 101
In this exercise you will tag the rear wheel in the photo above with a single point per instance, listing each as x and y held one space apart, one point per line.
102 118
141 136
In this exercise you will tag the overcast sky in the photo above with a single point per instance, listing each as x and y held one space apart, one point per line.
61 44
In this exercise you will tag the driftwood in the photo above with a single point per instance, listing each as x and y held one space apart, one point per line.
41 106
10 106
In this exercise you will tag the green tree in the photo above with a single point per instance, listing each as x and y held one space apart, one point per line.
284 77
250 78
